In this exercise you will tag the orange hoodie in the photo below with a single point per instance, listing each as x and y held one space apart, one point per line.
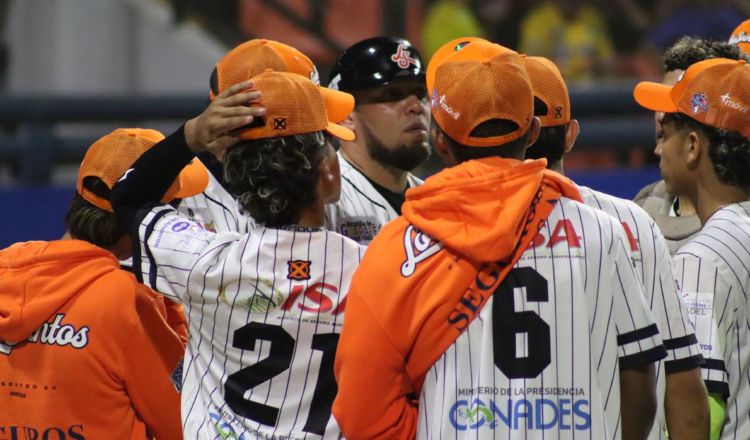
85 351
425 276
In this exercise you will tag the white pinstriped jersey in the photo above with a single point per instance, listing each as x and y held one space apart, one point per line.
567 317
264 312
652 261
361 210
216 209
713 271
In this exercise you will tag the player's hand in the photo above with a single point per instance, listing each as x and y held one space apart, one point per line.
230 110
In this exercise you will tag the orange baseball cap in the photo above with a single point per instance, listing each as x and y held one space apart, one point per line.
741 36
468 93
714 92
549 88
109 157
256 56
446 51
295 105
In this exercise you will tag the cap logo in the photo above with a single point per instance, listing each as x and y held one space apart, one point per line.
727 101
558 112
699 102
439 101
279 123
742 37
402 57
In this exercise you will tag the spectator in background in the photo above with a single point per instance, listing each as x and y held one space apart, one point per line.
446 20
573 34
741 37
707 19
499 18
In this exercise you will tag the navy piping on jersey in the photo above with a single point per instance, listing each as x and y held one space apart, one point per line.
684 364
645 357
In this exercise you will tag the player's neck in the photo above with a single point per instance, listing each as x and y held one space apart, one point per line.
709 199
390 178
312 217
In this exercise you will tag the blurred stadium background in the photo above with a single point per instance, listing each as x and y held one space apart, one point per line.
72 70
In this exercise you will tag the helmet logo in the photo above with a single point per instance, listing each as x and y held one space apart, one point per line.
403 58
334 84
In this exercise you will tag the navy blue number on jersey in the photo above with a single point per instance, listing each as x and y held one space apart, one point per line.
278 361
507 323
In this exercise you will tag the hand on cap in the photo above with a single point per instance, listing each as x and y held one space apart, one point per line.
228 111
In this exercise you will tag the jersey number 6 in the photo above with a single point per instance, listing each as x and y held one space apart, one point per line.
507 324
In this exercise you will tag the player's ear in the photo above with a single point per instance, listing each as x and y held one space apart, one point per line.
329 176
571 134
695 144
348 122
534 129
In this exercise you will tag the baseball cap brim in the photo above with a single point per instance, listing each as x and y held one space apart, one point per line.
192 180
655 96
339 105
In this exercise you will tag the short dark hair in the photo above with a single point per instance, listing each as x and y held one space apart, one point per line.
90 223
550 145
729 151
689 50
490 128
275 178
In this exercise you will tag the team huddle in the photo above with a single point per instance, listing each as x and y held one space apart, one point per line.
291 278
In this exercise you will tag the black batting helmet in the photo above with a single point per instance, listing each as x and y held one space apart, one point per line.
375 62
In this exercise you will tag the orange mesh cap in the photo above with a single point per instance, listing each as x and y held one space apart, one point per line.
256 56
549 87
445 51
109 157
468 93
295 105
714 92
741 36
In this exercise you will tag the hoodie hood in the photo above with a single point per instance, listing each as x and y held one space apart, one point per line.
37 278
479 208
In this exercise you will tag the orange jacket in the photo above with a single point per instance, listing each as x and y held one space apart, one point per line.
414 294
85 350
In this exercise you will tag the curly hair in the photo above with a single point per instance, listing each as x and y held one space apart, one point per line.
729 151
689 50
275 178
90 223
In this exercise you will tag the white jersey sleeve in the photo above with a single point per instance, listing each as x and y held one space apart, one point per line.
361 210
652 261
216 210
713 271
542 359
265 310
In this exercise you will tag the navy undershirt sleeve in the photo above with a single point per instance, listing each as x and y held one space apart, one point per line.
150 177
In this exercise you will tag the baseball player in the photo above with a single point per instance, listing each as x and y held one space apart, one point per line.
215 208
265 307
511 310
680 389
676 216
85 350
704 152
390 119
